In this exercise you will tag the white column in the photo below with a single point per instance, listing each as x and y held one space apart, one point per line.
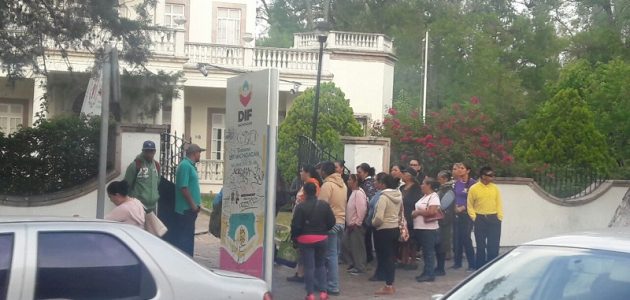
178 113
39 92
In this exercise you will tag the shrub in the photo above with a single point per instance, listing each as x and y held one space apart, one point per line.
57 154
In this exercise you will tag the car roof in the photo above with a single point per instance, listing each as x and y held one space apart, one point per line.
48 219
612 239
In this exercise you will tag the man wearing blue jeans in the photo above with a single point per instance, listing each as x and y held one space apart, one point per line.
334 191
187 200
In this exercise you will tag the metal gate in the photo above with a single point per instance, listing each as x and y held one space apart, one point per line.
171 153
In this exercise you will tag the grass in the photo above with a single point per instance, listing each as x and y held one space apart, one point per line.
206 200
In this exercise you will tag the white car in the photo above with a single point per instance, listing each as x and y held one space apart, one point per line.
582 266
72 258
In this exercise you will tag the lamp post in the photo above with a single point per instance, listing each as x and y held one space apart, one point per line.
322 35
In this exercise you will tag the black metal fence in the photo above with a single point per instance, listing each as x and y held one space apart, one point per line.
568 182
309 153
171 153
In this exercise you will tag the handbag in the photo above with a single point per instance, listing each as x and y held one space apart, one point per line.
439 215
402 225
286 253
153 224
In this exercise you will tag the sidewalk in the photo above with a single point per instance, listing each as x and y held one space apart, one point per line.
352 287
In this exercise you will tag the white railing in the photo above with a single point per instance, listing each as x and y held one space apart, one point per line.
168 42
237 56
345 40
210 170
285 59
215 54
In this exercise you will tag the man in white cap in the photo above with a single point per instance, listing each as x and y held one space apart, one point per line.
187 199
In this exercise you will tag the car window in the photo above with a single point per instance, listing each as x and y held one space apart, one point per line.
551 273
89 265
6 254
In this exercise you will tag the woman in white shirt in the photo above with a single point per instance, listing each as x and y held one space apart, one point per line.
128 210
426 233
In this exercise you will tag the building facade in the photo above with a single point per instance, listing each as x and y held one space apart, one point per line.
211 41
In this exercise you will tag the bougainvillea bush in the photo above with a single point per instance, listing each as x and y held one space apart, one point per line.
460 132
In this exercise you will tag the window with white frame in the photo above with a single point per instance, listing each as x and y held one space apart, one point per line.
172 13
229 26
11 117
218 137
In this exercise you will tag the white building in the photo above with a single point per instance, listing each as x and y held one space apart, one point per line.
219 34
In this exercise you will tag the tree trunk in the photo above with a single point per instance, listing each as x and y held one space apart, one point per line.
622 214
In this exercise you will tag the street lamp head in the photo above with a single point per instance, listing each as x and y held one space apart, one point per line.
248 37
202 69
321 29
180 21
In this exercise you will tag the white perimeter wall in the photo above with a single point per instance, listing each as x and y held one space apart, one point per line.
528 216
85 206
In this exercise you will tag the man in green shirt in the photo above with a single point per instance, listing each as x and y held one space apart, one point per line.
143 176
187 199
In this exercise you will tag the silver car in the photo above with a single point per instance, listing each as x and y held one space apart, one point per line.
71 258
584 266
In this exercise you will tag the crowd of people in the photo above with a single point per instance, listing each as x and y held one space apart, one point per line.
393 217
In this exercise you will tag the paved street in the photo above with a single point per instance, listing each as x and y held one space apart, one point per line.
352 287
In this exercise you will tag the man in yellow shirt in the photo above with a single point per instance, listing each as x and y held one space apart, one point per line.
485 208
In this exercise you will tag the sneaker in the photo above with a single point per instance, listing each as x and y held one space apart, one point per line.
456 267
425 278
350 268
333 293
439 272
323 295
386 290
310 297
295 278
355 271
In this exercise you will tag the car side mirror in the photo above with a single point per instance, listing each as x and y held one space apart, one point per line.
437 296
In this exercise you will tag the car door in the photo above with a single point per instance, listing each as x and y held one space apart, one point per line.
11 260
89 260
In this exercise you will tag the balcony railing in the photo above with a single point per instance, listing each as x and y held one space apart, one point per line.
210 170
345 40
215 54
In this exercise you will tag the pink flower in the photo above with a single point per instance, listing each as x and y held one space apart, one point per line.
474 100
414 114
405 139
420 140
508 159
392 111
446 141
430 145
428 137
456 106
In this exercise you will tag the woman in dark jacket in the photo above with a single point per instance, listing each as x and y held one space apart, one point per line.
447 205
411 193
312 220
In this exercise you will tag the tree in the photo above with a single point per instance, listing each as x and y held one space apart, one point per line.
33 32
335 120
563 133
452 134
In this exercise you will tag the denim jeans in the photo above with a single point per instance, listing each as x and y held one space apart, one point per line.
184 232
462 241
314 258
487 237
332 257
426 238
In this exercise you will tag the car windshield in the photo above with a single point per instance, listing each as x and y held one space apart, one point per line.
551 273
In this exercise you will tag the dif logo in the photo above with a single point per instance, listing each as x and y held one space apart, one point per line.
245 96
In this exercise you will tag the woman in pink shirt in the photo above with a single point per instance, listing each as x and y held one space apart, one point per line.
353 243
128 210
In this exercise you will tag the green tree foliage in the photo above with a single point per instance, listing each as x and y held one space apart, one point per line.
59 153
606 89
335 120
563 133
